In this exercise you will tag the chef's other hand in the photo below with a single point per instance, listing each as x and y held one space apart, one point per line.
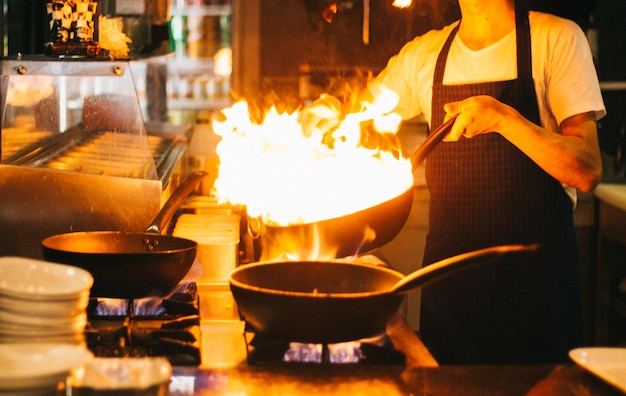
321 116
476 115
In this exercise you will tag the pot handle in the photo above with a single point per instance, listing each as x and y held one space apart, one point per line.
433 139
159 224
432 272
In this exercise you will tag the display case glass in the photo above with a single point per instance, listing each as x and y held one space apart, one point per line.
76 154
75 115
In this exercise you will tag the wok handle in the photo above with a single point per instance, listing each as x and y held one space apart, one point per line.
159 224
444 267
433 139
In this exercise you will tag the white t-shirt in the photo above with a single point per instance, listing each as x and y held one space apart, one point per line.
564 74
563 71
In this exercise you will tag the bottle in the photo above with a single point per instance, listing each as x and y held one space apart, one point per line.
202 154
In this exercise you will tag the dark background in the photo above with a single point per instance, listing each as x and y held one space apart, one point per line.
294 35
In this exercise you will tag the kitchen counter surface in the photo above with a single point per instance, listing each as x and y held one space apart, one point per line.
313 379
613 194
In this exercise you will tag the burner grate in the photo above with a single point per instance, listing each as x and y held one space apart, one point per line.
263 350
167 327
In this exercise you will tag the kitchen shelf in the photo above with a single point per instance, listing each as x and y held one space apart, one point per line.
613 85
208 10
198 104
194 85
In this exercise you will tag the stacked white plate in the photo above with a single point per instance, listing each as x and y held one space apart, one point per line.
42 302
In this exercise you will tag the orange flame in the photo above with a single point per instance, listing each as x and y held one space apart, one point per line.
284 177
401 3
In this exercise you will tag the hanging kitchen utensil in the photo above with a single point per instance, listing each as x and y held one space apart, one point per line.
126 264
366 22
329 302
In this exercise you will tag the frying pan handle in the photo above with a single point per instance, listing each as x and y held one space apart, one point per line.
433 139
170 207
432 272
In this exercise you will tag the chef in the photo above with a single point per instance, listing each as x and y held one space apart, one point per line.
526 96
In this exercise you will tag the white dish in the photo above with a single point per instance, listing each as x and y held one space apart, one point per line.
44 308
38 365
23 319
608 364
37 279
74 339
15 303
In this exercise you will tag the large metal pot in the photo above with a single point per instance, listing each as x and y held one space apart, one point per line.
329 302
353 233
128 264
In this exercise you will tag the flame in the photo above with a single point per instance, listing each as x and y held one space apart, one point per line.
283 177
401 3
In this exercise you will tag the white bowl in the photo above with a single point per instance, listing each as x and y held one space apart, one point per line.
38 365
75 327
23 319
44 308
73 339
35 279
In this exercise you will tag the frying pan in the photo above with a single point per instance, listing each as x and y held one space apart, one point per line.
353 233
129 264
329 302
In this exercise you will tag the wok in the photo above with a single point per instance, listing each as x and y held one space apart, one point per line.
329 302
130 264
353 233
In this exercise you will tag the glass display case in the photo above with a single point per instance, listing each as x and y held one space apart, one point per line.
76 154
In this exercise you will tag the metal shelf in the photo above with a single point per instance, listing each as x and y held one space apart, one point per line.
209 10
198 104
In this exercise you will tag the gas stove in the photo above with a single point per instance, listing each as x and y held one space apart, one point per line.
263 350
172 327
168 327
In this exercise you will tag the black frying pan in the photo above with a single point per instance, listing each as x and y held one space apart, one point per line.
329 302
128 264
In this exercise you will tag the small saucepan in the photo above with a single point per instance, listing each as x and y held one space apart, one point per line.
329 302
128 264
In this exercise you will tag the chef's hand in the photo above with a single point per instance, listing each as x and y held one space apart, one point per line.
476 115
321 116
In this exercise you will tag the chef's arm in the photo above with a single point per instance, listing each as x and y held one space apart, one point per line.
572 157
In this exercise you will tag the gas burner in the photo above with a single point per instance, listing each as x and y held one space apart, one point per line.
263 349
182 301
168 327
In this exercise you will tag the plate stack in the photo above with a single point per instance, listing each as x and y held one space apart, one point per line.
42 302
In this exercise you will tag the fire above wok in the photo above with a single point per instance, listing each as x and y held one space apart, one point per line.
310 200
284 177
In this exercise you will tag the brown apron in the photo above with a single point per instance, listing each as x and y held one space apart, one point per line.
484 192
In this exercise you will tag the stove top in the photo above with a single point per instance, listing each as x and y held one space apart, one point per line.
168 327
263 349
172 327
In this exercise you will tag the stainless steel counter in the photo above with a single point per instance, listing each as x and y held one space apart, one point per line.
611 265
